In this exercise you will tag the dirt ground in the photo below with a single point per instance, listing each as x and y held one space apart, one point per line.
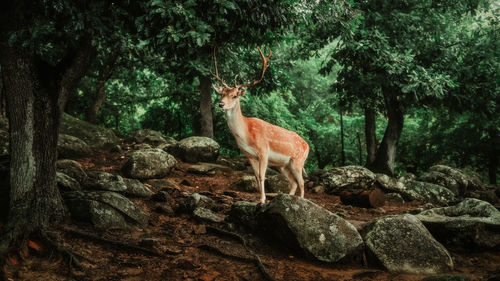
181 241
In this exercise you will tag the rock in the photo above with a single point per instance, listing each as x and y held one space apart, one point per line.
247 183
95 136
162 184
318 189
164 208
148 164
470 225
426 193
337 179
402 244
104 209
72 169
277 184
447 277
148 136
300 224
488 195
394 198
105 181
66 183
451 178
4 142
441 179
136 188
198 149
197 200
141 146
243 213
407 177
69 147
207 168
389 184
204 214
239 163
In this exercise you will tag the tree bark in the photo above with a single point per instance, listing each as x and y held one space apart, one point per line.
100 88
386 153
73 69
342 153
33 111
370 136
207 128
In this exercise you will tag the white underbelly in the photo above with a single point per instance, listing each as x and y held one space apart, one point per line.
277 159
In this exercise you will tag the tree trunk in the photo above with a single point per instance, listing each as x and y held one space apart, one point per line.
33 111
370 136
207 128
359 149
100 89
342 153
386 153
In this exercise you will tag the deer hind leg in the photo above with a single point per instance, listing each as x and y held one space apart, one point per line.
293 183
296 170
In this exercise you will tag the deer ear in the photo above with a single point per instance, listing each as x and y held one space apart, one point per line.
218 89
241 92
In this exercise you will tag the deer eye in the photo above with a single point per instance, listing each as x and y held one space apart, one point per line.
235 97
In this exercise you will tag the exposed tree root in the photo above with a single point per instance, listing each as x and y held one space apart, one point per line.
94 237
243 242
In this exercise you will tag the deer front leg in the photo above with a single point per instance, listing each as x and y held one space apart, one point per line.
262 176
255 166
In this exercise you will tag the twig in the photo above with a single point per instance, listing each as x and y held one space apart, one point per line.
112 242
242 240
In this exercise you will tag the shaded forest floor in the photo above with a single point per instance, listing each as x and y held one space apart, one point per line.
180 239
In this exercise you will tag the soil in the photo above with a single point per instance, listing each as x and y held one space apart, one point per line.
179 239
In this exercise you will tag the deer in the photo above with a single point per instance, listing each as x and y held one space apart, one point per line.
263 143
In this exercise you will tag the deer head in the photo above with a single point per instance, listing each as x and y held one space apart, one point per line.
231 95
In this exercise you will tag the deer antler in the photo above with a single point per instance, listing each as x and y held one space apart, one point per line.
264 67
216 75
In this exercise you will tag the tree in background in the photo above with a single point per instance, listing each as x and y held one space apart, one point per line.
397 54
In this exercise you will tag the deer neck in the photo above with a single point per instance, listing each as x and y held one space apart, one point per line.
236 121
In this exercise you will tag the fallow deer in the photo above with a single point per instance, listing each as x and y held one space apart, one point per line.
262 142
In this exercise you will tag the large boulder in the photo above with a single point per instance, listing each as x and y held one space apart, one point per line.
148 136
451 178
137 188
95 136
198 149
105 209
337 179
277 184
70 147
243 213
72 169
402 244
421 191
148 164
105 181
472 224
300 224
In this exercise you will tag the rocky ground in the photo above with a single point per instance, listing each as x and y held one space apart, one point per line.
150 208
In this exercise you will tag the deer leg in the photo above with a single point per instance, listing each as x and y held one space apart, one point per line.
255 167
296 170
293 184
262 176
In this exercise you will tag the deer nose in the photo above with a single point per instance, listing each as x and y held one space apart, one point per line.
221 105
